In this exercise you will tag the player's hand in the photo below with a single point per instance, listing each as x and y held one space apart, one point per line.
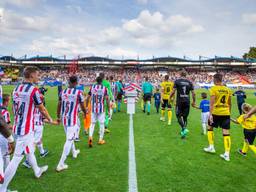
246 116
109 113
193 105
11 147
58 120
55 122
211 119
162 101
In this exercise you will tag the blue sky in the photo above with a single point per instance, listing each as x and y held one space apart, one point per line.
127 28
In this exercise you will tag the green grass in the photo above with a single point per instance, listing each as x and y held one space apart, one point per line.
165 163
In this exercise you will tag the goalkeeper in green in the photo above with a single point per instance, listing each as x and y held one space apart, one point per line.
107 84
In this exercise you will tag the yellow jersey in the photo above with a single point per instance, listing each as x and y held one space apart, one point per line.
249 123
167 87
222 95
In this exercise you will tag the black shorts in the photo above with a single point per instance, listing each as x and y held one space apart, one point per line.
182 109
119 96
147 97
166 103
249 135
220 121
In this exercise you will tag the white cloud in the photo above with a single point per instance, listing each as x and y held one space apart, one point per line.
154 29
51 35
249 18
14 21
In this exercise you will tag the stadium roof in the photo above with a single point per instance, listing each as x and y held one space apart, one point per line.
159 59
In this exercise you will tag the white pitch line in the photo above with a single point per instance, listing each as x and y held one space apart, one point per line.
132 162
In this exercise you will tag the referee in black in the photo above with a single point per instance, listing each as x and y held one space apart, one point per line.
240 97
183 87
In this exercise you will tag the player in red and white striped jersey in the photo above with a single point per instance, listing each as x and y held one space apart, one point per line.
25 98
69 101
97 94
4 148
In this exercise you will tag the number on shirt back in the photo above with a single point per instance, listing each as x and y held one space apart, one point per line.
19 109
184 89
223 99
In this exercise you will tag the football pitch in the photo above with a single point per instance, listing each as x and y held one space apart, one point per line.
165 163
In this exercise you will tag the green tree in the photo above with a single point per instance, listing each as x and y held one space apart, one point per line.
251 54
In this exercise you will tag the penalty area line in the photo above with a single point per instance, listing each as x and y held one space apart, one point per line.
133 187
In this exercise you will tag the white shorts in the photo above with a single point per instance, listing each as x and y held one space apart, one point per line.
71 132
38 133
24 144
205 117
98 117
3 146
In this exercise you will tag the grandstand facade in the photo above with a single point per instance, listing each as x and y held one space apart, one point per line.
49 62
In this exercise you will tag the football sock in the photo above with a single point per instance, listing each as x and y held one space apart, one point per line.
253 148
33 162
66 151
119 105
111 113
142 105
245 147
204 127
78 131
149 106
163 113
10 171
85 128
40 148
1 169
185 119
73 147
210 136
6 161
181 122
227 143
169 115
106 118
91 130
101 131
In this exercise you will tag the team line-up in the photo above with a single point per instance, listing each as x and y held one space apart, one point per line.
98 105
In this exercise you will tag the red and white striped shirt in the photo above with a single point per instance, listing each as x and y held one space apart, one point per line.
5 113
70 99
98 93
25 97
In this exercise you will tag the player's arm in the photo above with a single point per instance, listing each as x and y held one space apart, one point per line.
81 102
234 120
250 113
229 103
193 98
58 110
172 93
5 131
196 107
45 113
106 95
39 104
212 101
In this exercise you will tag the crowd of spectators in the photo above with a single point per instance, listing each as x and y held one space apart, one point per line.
155 75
